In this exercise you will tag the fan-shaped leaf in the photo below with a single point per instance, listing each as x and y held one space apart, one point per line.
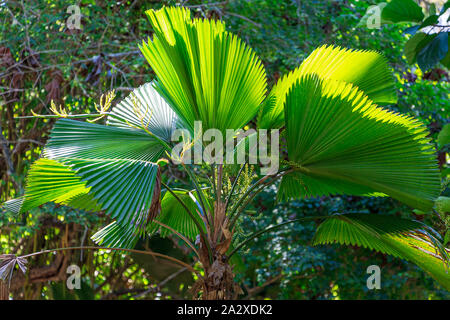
339 142
145 107
116 236
204 72
367 70
406 239
83 201
174 215
123 187
77 139
13 205
51 181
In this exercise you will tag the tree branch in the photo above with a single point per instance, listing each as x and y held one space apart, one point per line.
6 154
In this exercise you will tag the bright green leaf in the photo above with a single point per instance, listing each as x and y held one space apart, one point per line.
339 142
405 239
205 73
402 11
367 70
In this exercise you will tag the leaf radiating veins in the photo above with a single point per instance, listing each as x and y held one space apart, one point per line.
7 266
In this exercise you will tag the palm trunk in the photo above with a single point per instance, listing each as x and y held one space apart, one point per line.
218 282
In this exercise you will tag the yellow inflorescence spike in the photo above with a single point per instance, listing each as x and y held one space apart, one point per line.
105 104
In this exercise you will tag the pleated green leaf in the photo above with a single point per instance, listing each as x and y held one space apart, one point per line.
83 201
402 238
175 216
204 72
116 236
95 167
368 70
124 188
77 139
13 205
340 142
51 181
172 214
145 107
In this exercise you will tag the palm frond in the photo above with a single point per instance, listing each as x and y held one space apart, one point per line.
123 188
340 142
402 238
83 201
174 215
77 139
95 167
368 70
204 72
13 205
145 107
116 236
51 181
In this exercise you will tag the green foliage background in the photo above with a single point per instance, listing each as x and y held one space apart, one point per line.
75 67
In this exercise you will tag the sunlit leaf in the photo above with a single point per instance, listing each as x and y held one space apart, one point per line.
340 142
367 70
406 239
204 72
145 107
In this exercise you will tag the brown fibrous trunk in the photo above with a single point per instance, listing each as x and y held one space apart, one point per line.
218 282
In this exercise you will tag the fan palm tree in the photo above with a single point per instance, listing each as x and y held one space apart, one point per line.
336 140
